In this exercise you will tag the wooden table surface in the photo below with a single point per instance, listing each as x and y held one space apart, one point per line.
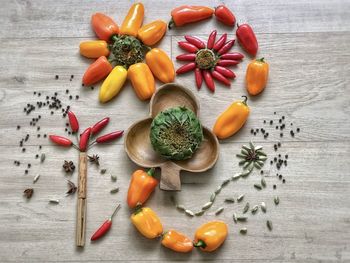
307 46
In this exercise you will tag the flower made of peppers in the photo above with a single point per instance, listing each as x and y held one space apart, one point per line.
120 55
209 61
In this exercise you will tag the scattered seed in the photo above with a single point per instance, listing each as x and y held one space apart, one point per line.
276 200
241 156
242 218
246 172
114 178
212 197
207 205
189 212
199 213
236 176
54 201
255 209
263 182
240 198
103 171
42 157
36 178
114 190
257 186
230 200
234 218
263 207
243 231
269 224
225 182
219 211
218 190
246 208
180 208
257 148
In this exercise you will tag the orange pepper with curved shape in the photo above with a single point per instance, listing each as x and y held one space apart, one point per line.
133 20
97 71
161 65
104 26
142 80
186 14
211 235
232 119
94 48
152 33
256 76
147 222
141 186
177 241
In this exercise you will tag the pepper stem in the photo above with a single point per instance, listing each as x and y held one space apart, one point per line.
261 59
150 172
245 100
200 243
171 24
138 209
115 211
114 37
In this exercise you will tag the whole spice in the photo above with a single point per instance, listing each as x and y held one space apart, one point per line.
186 14
97 71
177 241
99 126
54 201
68 166
187 46
161 65
256 76
186 68
195 41
112 85
276 200
36 178
211 39
198 77
246 208
84 139
208 80
104 26
142 80
71 188
186 57
94 159
152 33
105 227
109 137
210 236
73 121
28 193
269 224
225 16
133 20
141 186
94 48
247 39
62 141
219 211
147 222
114 190
221 41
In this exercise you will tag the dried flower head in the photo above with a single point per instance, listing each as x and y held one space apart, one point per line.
68 166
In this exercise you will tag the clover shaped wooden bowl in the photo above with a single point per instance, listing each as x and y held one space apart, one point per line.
138 146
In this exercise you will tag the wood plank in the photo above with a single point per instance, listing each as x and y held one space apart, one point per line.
311 222
35 18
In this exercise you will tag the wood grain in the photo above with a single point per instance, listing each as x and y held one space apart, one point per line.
307 46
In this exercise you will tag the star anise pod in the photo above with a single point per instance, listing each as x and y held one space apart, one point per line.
94 159
28 193
68 166
72 188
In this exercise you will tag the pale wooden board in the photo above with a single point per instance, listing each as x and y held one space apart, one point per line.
309 84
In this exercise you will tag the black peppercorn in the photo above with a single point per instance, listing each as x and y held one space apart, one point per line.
298 129
56 77
274 186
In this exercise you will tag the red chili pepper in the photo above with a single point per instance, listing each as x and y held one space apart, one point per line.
211 39
109 137
225 72
186 68
226 63
218 76
220 42
63 141
234 56
247 39
199 77
84 139
97 71
98 126
195 41
73 121
225 15
186 14
186 57
104 228
187 46
226 47
209 80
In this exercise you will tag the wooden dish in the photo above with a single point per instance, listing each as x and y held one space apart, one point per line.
139 149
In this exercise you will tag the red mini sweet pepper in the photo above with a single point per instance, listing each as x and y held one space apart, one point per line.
97 71
105 227
84 139
247 39
225 15
73 121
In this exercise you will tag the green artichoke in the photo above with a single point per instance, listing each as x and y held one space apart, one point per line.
176 133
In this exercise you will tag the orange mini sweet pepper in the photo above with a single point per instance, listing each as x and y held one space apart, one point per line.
211 235
256 76
186 14
141 186
104 26
161 65
94 48
232 119
153 32
97 71
142 80
147 222
133 20
177 241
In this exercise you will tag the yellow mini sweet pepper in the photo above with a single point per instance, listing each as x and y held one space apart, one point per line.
161 65
256 76
211 235
94 48
147 222
232 119
113 84
142 80
153 32
133 20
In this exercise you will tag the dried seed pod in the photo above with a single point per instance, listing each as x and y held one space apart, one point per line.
36 178
218 190
225 182
243 231
114 190
180 208
246 208
269 224
255 209
240 198
199 213
212 197
207 205
242 218
276 200
263 182
189 212
236 176
54 201
263 207
230 200
234 218
219 211
257 186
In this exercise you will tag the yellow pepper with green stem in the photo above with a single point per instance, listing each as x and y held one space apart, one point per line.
256 76
211 235
133 20
161 65
152 33
147 222
94 48
142 80
113 84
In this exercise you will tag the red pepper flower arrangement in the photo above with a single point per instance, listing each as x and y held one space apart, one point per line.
210 61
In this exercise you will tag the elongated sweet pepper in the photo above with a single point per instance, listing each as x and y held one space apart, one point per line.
256 76
133 20
177 241
211 235
142 80
141 186
104 26
186 14
97 71
232 119
152 33
113 84
147 222
161 65
94 48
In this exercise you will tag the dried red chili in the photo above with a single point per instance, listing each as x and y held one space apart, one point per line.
84 139
195 41
73 121
187 46
220 42
186 68
104 228
233 55
225 48
98 126
211 39
209 80
199 77
186 57
218 76
109 137
60 140
225 72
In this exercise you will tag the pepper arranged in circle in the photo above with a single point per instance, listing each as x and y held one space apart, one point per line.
247 39
256 76
211 235
187 14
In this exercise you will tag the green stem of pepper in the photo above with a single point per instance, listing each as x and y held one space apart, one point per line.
200 243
